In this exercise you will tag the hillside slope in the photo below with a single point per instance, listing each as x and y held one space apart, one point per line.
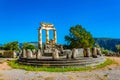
107 43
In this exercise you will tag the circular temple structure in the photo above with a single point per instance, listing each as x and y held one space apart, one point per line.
62 62
52 55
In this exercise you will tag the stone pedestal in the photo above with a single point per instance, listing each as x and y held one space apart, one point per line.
74 53
94 52
69 54
55 54
38 55
99 52
14 54
87 52
29 54
23 55
34 52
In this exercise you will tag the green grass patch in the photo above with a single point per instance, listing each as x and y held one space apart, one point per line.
16 65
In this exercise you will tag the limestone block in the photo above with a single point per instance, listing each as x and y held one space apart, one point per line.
74 53
29 54
69 54
39 54
24 55
20 54
55 54
99 52
14 54
94 52
80 52
34 53
88 53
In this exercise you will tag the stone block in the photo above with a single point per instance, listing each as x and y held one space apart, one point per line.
29 54
39 54
94 52
99 52
14 54
24 54
55 54
74 53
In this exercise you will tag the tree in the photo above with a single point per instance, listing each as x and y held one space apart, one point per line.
28 46
11 46
79 37
118 47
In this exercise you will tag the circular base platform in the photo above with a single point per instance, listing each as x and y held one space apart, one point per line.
63 62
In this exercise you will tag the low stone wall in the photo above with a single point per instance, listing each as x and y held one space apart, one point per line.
9 54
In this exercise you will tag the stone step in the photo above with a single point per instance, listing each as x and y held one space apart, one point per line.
62 62
68 61
67 64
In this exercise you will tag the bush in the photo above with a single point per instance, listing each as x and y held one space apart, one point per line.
8 54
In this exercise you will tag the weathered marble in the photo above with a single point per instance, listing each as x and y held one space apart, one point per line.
80 52
29 54
24 54
39 54
55 54
68 54
87 52
34 52
74 53
14 54
94 52
99 52
47 27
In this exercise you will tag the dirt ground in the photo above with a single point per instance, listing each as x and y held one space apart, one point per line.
5 66
111 72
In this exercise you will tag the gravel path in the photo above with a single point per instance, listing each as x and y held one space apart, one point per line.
109 73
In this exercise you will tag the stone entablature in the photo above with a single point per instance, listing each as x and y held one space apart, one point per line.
46 25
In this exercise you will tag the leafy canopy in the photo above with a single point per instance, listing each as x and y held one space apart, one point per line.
11 46
28 46
79 38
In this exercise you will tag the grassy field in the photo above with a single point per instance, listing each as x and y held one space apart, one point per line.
16 65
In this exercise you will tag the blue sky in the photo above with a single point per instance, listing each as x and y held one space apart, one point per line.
19 19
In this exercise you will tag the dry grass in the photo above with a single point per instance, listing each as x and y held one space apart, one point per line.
50 78
70 77
4 66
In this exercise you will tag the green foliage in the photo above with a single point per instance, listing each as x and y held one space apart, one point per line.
79 37
106 51
1 48
11 46
118 47
28 46
15 64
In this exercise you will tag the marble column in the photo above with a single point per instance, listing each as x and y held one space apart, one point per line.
47 36
55 37
40 38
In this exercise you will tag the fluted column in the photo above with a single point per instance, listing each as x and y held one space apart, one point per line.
40 38
55 37
47 36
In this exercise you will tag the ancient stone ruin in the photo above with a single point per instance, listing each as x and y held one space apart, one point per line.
52 54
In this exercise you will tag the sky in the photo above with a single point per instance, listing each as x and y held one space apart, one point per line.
20 19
